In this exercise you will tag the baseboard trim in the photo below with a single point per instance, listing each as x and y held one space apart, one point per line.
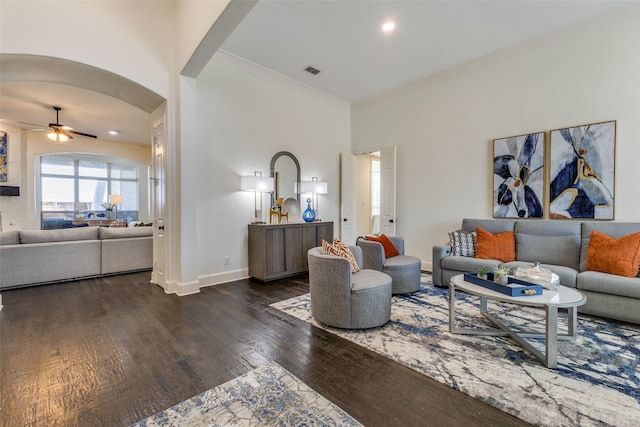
224 277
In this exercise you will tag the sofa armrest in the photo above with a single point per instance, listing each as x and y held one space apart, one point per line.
439 252
372 254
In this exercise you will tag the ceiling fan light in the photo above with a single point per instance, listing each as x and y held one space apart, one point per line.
57 136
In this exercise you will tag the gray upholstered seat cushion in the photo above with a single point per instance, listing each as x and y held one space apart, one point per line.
467 264
405 273
609 284
367 280
62 235
9 238
124 232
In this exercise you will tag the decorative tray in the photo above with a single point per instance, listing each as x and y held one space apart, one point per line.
514 287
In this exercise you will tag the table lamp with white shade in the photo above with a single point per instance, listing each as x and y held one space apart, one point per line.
258 184
115 200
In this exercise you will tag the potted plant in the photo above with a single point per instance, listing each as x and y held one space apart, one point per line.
482 273
500 275
108 207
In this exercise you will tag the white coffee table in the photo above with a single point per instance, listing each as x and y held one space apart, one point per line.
550 301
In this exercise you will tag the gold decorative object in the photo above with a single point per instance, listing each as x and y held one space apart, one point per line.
278 212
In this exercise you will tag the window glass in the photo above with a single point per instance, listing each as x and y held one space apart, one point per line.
56 165
57 193
77 187
92 168
92 191
129 195
124 172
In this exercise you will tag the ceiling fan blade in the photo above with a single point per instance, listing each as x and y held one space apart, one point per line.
64 132
88 135
33 124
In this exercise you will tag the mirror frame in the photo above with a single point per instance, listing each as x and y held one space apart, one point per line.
273 172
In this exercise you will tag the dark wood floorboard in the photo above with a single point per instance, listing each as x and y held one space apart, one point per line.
111 351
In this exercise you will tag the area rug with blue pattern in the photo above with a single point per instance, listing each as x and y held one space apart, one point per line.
596 383
266 396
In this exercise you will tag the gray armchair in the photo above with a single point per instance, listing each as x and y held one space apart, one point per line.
403 269
344 299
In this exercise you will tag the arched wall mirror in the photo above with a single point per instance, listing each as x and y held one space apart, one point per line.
285 171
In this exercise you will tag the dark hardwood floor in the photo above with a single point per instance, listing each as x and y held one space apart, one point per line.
111 351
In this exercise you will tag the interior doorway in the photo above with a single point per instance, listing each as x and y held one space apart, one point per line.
368 193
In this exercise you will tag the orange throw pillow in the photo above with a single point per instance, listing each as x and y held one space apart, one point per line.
614 256
389 249
500 246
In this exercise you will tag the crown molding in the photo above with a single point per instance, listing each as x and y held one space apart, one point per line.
279 79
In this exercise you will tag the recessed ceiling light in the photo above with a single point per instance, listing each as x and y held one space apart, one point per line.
388 26
113 132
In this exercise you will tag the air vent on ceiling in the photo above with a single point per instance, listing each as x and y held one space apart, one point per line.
312 70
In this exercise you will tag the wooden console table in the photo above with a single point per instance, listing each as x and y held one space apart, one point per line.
280 250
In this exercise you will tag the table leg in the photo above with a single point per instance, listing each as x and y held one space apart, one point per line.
572 322
551 356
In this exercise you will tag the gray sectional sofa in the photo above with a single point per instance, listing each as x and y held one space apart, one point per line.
562 247
33 257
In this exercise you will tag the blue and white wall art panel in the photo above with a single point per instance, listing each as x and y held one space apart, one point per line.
581 183
518 176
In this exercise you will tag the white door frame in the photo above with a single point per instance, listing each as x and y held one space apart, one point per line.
158 195
348 195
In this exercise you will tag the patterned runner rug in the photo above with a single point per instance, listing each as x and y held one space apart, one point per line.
597 381
267 396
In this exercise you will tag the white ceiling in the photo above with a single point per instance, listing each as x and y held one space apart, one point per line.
342 38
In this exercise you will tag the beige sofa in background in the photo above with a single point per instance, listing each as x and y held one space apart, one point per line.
34 257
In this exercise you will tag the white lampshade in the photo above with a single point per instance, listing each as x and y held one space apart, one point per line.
263 184
115 199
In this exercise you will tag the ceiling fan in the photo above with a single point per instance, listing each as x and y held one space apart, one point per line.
60 132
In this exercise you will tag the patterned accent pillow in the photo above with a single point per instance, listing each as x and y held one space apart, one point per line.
338 248
118 223
463 243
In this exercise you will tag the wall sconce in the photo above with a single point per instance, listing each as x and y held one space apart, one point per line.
314 187
258 184
115 200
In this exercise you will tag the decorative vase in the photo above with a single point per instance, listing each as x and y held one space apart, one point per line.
502 279
308 215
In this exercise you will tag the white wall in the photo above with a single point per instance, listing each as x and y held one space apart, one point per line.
133 39
243 120
444 126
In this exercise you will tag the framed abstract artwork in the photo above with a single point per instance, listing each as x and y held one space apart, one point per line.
3 157
582 171
518 176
